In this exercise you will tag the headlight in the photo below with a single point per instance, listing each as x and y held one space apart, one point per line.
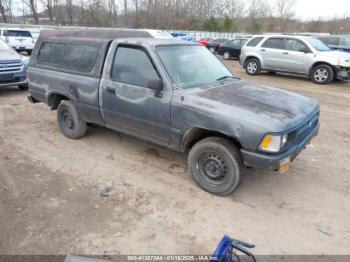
25 60
342 61
273 143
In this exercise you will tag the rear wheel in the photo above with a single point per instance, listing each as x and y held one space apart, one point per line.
322 74
69 120
253 66
23 87
212 49
226 55
215 165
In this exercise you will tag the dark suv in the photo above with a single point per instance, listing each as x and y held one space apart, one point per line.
214 45
337 42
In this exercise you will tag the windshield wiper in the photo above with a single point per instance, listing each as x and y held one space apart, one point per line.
227 77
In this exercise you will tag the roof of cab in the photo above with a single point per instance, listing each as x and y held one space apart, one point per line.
157 41
98 35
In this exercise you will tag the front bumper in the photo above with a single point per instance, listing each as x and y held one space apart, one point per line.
343 73
279 161
14 82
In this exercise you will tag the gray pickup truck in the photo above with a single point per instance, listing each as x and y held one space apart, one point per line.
172 93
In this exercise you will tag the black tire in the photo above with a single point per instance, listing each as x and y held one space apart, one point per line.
322 74
215 164
23 87
29 52
226 55
253 66
69 120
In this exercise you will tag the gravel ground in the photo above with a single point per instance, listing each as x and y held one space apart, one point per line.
50 202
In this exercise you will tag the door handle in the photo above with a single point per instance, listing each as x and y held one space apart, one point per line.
263 50
110 89
285 53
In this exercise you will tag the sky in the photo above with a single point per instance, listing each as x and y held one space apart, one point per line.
313 9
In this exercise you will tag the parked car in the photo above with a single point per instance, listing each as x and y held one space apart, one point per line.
172 93
232 48
205 41
18 39
183 36
158 33
214 45
13 67
336 42
302 55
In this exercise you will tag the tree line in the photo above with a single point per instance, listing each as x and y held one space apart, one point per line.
252 16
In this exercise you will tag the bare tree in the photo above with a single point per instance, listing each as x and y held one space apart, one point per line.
257 10
3 11
48 4
126 12
234 7
69 7
32 4
285 12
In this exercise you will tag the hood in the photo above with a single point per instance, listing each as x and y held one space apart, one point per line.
9 55
262 105
335 54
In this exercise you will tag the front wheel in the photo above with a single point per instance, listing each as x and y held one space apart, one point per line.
212 49
322 74
226 55
215 165
23 87
253 66
69 120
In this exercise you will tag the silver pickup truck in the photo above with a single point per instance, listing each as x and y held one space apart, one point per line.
172 93
13 67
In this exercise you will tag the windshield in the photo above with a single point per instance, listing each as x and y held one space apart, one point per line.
318 44
190 66
3 46
17 33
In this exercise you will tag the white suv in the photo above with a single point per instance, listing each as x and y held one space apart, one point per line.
302 55
18 39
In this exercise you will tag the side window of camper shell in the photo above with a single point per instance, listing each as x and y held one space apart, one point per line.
77 57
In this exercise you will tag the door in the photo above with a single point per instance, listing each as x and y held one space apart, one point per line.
235 48
271 52
127 104
298 58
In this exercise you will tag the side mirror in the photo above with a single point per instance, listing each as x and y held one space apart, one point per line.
304 50
157 86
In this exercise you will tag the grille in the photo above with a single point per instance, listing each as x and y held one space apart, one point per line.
13 80
304 130
10 67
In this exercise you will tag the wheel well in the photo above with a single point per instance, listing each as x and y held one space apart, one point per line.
250 57
194 135
55 99
320 63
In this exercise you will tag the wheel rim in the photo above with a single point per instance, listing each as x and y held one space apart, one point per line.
212 167
66 119
321 75
212 49
252 67
226 55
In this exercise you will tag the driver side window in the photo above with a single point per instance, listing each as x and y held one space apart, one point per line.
132 66
296 45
